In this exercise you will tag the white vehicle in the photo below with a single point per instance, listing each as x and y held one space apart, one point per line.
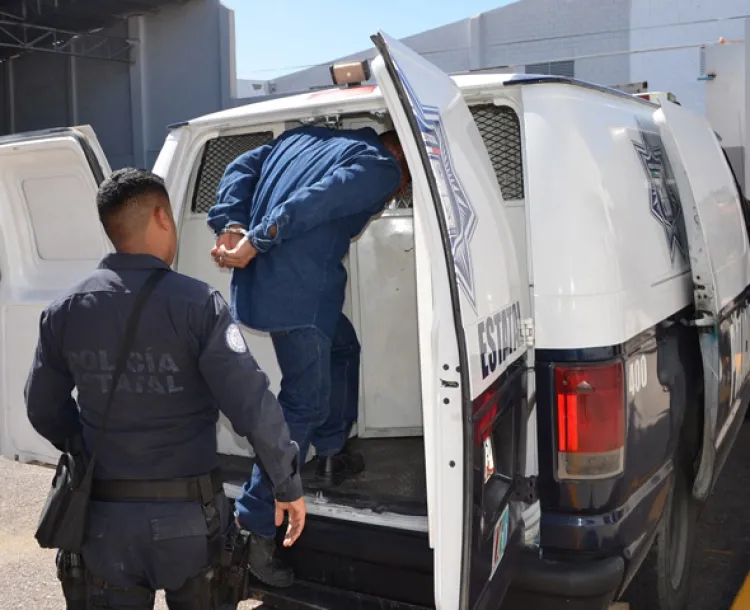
553 329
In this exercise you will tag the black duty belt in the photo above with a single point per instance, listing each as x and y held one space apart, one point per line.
186 489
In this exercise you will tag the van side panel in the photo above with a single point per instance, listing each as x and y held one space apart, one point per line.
607 264
611 283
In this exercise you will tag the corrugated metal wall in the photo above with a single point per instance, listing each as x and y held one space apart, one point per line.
183 68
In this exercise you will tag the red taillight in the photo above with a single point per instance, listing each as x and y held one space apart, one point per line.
485 412
590 420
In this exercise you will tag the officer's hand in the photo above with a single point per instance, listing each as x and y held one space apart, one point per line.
297 514
229 241
239 256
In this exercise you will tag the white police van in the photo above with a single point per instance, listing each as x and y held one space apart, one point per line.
554 328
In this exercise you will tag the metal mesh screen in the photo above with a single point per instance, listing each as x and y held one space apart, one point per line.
219 153
404 201
501 132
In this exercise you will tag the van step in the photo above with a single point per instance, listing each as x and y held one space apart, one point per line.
369 560
309 596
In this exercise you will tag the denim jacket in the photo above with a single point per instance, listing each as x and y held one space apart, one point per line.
318 188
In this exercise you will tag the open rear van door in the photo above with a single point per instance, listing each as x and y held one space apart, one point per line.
717 245
50 237
472 358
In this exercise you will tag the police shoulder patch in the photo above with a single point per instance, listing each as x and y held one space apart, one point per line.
235 340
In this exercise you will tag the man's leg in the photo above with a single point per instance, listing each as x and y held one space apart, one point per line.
304 357
334 462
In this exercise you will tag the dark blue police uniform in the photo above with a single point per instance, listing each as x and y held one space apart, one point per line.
189 361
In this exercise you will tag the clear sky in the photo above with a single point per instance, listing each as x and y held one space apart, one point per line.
275 37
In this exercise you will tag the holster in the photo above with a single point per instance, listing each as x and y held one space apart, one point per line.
234 567
72 574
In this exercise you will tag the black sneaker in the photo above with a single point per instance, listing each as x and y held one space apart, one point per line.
266 565
334 469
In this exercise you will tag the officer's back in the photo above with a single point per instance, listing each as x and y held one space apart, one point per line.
164 423
188 361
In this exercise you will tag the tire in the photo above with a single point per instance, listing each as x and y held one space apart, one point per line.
663 580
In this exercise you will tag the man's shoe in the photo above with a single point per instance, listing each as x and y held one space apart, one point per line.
265 564
334 469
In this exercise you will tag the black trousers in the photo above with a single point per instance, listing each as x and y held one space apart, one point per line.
134 549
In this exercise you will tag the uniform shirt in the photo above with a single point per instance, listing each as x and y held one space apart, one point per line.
319 188
188 362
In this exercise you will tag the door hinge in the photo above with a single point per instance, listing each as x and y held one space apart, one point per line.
525 490
527 332
702 319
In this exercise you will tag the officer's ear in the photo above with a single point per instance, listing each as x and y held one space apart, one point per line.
163 216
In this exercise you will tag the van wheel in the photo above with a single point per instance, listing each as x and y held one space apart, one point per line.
663 580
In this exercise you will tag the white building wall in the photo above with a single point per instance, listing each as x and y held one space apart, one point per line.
656 24
726 101
535 31
525 32
725 95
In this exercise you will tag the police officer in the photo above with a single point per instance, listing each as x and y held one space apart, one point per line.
188 362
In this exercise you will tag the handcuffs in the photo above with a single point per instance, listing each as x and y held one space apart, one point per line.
234 230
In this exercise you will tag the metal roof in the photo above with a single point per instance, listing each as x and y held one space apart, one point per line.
69 27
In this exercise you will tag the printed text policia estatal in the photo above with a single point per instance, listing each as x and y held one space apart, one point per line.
146 372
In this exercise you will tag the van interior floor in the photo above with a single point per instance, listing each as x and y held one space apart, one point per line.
394 479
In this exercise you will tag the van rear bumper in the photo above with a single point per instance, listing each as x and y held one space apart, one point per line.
546 584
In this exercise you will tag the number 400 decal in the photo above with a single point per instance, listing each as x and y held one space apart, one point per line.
637 375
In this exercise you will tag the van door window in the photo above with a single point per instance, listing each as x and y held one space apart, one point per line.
219 153
501 132
61 209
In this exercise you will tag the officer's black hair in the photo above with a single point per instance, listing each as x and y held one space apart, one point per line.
125 204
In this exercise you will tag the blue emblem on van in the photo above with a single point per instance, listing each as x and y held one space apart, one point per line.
460 215
665 199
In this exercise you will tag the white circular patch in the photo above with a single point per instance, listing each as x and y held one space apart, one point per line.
235 340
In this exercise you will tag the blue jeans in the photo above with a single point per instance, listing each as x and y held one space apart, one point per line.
320 399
